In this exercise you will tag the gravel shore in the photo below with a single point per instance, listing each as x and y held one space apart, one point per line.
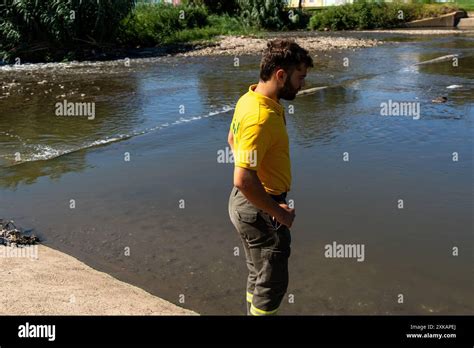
244 45
247 45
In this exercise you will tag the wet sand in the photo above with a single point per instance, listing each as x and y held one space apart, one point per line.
53 283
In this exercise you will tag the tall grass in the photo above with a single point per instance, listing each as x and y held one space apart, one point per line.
161 24
217 25
156 24
40 29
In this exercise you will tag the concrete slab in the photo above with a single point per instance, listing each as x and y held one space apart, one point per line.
447 20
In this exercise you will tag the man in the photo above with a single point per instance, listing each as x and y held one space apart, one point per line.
262 174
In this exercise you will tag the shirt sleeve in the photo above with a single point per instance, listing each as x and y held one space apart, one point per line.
252 143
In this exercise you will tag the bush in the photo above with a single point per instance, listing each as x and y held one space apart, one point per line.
230 7
155 24
218 25
264 14
334 18
37 29
228 25
298 19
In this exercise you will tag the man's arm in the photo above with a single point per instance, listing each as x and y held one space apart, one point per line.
247 181
230 140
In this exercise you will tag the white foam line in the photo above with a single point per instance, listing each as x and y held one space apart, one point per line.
435 60
47 152
310 90
439 59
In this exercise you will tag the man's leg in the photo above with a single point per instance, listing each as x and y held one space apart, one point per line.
252 276
272 279
267 251
235 202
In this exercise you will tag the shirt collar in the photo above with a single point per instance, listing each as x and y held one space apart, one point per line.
274 105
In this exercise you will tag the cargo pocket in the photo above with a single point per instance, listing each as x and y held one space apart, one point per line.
254 228
249 217
246 223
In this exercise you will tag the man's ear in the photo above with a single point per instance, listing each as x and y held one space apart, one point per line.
281 76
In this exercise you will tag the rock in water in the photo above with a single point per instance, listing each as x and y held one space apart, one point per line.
439 100
10 234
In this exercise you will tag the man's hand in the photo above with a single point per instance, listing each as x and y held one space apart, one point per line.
286 216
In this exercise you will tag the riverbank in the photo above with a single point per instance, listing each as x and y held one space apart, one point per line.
313 41
246 45
37 34
234 45
49 282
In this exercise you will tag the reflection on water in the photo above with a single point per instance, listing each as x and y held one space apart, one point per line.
171 116
317 119
29 124
28 173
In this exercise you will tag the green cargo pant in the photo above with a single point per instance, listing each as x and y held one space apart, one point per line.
267 250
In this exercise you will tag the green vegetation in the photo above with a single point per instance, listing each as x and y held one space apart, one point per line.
370 15
230 7
53 29
157 24
217 25
467 5
160 24
263 14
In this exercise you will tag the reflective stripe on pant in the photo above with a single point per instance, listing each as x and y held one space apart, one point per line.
249 302
266 251
255 311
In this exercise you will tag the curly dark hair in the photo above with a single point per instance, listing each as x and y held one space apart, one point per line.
283 54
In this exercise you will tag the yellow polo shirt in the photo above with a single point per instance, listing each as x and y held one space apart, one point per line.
261 140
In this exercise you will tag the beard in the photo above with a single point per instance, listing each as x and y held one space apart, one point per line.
287 92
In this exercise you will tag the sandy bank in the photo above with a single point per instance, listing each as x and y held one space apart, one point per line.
57 284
